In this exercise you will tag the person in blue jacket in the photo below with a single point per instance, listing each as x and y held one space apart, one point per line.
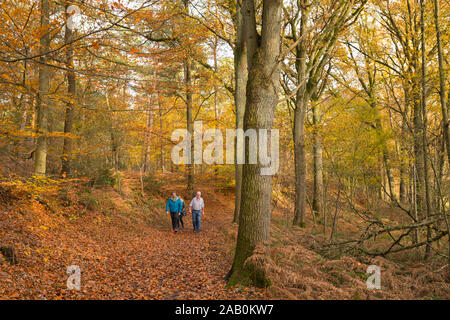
173 207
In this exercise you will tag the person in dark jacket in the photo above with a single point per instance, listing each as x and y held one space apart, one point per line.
173 207
182 214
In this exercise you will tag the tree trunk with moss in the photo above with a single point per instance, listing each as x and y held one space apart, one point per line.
262 98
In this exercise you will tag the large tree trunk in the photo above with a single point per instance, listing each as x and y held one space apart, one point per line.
262 98
71 90
240 74
42 105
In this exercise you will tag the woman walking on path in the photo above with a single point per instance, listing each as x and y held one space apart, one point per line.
182 214
173 207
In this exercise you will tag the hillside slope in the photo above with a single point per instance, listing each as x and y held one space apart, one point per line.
123 246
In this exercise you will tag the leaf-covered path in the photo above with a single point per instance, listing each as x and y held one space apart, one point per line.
126 254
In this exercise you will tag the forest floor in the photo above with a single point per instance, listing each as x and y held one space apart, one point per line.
125 250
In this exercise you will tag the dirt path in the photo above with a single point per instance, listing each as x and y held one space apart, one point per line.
121 255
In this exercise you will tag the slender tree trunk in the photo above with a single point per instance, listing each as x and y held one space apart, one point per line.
442 82
189 118
148 137
161 139
42 105
302 100
114 141
336 211
439 165
216 101
25 109
403 192
414 189
262 98
403 169
240 73
23 123
317 205
71 90
148 133
386 158
424 130
418 155
300 164
189 121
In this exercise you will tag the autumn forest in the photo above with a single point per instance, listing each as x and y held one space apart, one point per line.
336 177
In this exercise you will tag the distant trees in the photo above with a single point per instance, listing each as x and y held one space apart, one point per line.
311 33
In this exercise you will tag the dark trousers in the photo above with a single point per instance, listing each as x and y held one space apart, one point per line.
174 217
180 221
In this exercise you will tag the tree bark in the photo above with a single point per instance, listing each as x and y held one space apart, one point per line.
442 81
216 98
386 158
189 118
300 162
114 139
71 90
336 211
189 121
317 205
403 152
42 104
424 129
149 125
302 99
262 98
161 139
240 74
418 153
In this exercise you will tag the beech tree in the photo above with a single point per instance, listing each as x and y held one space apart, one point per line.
71 90
313 47
43 101
263 51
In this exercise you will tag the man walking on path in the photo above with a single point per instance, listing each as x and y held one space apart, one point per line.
196 208
174 207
